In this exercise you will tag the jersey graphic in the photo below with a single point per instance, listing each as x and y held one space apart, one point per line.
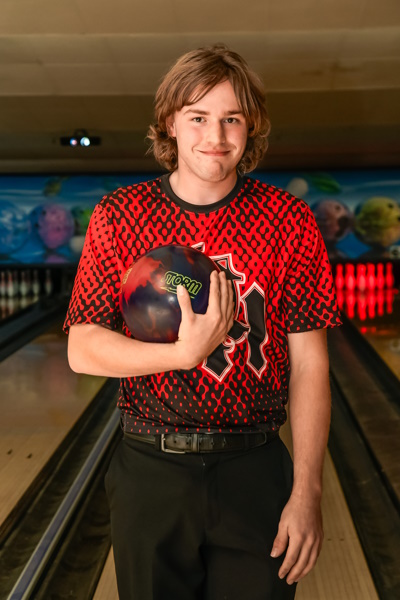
249 326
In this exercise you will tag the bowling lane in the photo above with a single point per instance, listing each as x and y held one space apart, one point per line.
13 306
383 331
41 399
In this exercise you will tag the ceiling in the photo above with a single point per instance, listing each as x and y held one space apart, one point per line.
331 69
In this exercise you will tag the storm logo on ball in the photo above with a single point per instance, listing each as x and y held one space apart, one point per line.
171 281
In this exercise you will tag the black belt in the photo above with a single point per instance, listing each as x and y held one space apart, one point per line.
182 443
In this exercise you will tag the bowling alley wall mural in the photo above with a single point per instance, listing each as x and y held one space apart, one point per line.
43 219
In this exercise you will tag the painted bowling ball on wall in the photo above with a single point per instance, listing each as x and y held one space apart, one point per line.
14 227
334 219
53 224
378 222
148 295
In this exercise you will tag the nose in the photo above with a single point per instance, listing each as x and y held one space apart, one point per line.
215 133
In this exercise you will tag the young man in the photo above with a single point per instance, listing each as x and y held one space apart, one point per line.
204 500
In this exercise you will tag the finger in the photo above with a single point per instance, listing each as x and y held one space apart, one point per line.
231 301
280 542
312 559
184 300
300 564
214 294
291 557
223 284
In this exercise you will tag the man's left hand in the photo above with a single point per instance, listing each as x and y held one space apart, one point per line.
300 531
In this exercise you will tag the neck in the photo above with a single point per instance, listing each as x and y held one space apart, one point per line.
203 192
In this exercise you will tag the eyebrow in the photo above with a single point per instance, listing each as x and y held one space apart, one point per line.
204 112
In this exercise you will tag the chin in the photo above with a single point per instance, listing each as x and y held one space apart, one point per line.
217 175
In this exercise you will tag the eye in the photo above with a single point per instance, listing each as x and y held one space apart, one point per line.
231 120
198 119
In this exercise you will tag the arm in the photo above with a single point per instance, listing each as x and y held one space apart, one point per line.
300 527
95 350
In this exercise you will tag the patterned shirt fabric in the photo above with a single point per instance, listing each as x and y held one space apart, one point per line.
269 245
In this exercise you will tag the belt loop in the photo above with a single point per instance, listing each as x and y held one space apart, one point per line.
195 442
157 442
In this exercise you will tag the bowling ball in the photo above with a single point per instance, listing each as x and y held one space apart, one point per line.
378 222
148 295
53 224
334 219
14 227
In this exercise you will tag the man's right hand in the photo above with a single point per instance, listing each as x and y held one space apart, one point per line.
199 334
96 350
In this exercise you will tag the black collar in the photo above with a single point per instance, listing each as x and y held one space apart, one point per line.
196 208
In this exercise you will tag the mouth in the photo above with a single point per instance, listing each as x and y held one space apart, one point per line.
214 153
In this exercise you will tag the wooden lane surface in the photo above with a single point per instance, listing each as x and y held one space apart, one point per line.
387 344
41 399
383 333
341 572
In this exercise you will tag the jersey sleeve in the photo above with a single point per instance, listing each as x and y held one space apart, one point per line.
309 294
95 292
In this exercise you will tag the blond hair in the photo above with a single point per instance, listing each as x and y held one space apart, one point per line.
190 79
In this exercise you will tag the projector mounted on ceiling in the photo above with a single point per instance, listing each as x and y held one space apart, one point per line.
80 138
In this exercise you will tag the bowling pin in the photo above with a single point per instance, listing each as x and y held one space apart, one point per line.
48 284
370 277
362 307
389 277
349 278
350 304
35 284
380 302
11 304
10 285
361 280
340 299
371 301
380 278
339 279
3 285
24 301
23 286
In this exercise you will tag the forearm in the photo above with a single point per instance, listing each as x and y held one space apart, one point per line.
96 350
310 410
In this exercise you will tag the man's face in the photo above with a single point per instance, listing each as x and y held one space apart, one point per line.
211 135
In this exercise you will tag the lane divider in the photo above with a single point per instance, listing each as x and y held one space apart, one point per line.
48 542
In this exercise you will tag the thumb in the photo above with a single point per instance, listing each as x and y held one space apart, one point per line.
183 299
280 542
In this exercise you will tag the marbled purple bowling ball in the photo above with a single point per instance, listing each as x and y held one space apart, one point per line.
14 227
53 223
148 299
334 219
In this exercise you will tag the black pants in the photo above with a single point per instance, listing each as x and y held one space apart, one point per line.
198 526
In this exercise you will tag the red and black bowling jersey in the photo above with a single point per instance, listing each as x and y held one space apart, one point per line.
268 243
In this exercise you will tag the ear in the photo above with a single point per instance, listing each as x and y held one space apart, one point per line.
170 123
